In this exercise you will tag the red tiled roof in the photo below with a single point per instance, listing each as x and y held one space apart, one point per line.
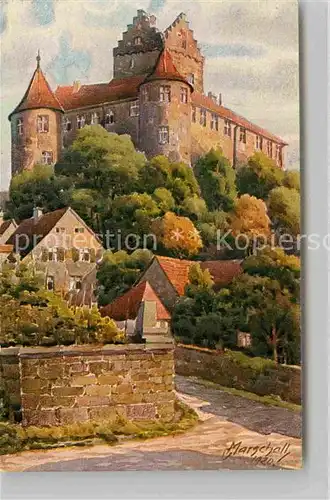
208 103
127 306
166 70
38 95
35 227
222 271
99 93
177 271
5 225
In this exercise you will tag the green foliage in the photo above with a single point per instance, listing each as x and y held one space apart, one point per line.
199 280
284 209
164 199
216 178
119 271
37 187
259 176
292 179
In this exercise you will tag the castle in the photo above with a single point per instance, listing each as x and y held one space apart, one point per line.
156 96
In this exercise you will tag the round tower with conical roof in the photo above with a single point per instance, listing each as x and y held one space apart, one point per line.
36 125
165 112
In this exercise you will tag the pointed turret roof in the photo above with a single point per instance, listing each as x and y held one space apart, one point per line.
165 69
38 94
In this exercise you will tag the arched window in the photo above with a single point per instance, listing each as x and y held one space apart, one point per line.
95 118
137 40
109 117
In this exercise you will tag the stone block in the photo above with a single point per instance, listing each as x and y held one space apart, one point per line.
127 398
67 391
51 372
31 385
165 411
72 415
123 389
143 411
39 418
83 380
98 390
93 401
103 413
98 367
30 401
56 402
107 379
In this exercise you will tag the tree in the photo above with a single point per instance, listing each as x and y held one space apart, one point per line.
249 221
216 178
118 272
156 174
259 176
177 235
164 199
198 280
292 179
182 182
102 161
284 209
36 187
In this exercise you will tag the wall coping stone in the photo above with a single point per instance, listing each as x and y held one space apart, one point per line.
85 350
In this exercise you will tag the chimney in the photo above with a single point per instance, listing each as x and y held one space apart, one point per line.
220 99
76 86
37 212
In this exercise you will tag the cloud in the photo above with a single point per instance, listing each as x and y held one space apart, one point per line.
251 50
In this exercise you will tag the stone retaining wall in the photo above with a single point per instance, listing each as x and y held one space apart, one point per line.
64 385
10 379
225 368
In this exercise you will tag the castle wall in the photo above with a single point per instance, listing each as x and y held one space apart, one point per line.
174 114
135 63
27 148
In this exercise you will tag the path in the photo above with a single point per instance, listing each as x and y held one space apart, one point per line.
226 419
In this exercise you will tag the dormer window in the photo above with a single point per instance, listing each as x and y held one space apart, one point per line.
134 109
137 40
19 126
109 117
47 157
67 125
81 121
95 118
43 124
165 93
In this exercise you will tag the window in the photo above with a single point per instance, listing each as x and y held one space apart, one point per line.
43 124
184 44
109 117
52 254
202 118
137 40
165 93
95 119
145 95
191 79
193 114
227 128
81 121
134 109
184 94
258 142
75 283
242 135
84 255
67 126
60 229
278 153
270 149
163 135
50 283
47 157
79 229
19 126
214 122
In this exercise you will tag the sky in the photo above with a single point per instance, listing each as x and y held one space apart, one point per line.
250 46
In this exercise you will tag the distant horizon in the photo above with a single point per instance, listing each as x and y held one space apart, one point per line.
251 55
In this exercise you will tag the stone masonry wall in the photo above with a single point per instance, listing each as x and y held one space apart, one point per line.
10 379
221 368
64 385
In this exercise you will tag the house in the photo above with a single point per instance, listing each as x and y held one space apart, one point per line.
7 228
63 247
139 312
169 276
156 96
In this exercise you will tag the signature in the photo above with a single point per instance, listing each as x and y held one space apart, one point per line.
265 454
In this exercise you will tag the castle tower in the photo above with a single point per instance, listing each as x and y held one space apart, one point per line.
139 49
36 125
180 42
165 112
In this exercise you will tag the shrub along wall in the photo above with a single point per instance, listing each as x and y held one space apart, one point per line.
64 385
235 369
